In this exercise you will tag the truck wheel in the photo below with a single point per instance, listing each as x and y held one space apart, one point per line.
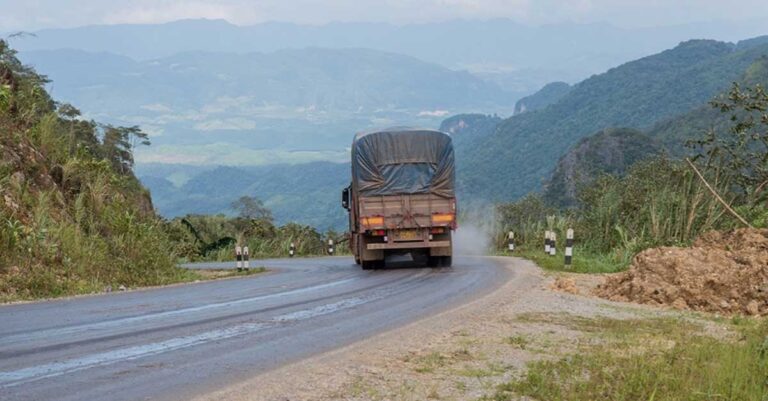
446 261
433 261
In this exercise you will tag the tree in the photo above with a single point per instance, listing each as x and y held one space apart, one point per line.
70 114
118 144
252 208
117 149
742 151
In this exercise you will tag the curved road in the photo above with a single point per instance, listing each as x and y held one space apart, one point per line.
175 342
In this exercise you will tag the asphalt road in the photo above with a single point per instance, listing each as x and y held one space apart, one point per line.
175 342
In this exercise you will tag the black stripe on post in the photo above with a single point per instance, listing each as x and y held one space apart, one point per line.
552 243
569 248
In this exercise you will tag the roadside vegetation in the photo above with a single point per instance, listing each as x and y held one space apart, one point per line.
213 238
660 200
649 359
74 218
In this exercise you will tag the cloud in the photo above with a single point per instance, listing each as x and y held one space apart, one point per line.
433 113
36 14
235 123
165 11
156 107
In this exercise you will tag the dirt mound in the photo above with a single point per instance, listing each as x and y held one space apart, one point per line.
725 272
565 285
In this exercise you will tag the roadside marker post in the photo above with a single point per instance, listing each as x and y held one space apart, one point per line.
239 257
546 242
552 244
568 248
292 250
511 238
330 247
246 256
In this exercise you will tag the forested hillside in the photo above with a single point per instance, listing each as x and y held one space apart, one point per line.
466 128
613 151
526 147
73 218
610 151
307 193
549 94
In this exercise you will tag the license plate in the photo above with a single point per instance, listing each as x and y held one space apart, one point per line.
407 235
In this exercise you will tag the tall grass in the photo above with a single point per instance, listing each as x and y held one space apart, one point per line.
54 256
658 203
89 230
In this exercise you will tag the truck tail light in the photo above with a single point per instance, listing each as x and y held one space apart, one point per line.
437 230
378 233
373 221
442 218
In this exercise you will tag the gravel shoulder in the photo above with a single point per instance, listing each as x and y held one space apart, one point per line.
460 354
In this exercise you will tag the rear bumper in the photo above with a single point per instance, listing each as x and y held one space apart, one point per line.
410 245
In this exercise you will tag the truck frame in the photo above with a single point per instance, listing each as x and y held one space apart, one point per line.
401 198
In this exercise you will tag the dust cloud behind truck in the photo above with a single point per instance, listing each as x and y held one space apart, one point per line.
401 199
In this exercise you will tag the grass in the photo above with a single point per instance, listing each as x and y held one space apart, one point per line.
428 363
517 341
660 359
181 276
226 273
582 262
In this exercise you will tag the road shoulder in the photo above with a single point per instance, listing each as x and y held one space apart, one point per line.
462 353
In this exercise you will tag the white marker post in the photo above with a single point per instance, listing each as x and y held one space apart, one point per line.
552 243
292 250
246 256
546 242
330 247
568 248
511 238
239 257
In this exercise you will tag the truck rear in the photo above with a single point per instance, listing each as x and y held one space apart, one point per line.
401 199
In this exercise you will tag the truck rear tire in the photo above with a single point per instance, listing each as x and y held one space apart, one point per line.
446 261
371 264
439 261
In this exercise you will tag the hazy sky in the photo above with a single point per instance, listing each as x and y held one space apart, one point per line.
36 14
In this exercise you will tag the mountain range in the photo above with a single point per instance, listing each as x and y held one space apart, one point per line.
519 57
281 119
520 153
663 97
294 105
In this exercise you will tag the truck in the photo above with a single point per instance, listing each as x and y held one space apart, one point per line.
401 199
